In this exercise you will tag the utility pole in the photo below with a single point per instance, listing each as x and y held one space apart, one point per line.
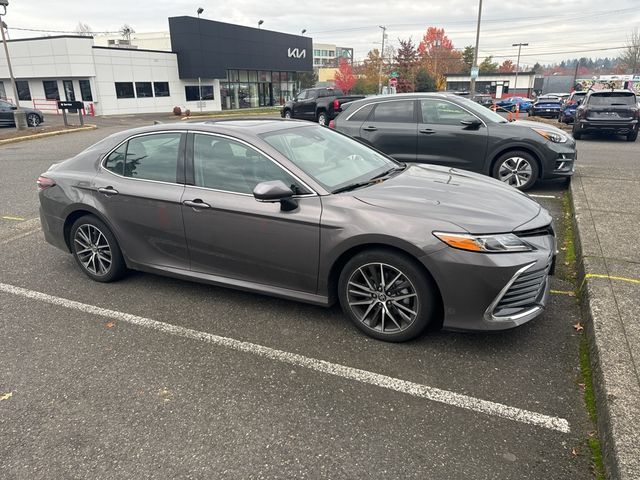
199 12
474 67
6 52
515 82
384 34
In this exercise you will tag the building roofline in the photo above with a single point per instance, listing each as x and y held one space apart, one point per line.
496 74
133 49
49 38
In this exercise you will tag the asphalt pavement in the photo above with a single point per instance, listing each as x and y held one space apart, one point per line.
152 377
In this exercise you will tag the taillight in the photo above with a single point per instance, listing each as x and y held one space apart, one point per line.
44 183
332 124
336 105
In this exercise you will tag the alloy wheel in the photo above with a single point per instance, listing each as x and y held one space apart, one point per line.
382 298
33 120
515 171
92 249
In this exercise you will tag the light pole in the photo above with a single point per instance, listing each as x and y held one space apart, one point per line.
304 30
474 67
17 113
260 22
436 46
199 12
515 81
384 34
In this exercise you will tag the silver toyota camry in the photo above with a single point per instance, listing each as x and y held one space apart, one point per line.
299 211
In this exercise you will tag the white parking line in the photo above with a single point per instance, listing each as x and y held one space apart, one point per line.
541 196
415 389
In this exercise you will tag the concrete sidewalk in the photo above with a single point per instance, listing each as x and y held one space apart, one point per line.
606 202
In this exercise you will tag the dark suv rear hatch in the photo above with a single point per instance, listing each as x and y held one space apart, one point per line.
612 106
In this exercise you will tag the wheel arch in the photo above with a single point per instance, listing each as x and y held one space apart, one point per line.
74 212
517 148
341 260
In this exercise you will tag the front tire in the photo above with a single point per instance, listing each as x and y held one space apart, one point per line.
387 295
516 168
287 114
577 134
33 120
96 250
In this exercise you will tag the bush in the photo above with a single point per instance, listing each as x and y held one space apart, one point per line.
177 111
187 112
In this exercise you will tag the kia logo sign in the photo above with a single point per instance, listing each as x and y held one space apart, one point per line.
297 53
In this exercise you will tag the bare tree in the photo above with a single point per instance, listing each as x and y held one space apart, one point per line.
84 29
126 31
631 55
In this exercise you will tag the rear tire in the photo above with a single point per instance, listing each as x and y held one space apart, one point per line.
322 118
387 295
96 250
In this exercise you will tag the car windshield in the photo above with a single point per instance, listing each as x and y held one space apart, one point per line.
613 98
480 111
333 160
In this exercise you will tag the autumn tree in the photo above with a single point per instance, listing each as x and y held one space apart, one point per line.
407 62
506 67
344 78
370 71
425 82
488 65
437 54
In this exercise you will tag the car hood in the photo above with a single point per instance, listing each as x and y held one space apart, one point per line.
473 202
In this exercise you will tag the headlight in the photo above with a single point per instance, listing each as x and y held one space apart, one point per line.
498 243
555 137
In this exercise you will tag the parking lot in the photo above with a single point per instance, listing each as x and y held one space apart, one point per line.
158 377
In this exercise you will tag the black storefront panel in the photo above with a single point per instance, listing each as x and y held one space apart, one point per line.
208 49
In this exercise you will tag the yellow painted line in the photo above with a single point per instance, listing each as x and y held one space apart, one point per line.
9 217
608 277
564 292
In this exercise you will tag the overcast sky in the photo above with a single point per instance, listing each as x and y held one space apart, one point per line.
554 29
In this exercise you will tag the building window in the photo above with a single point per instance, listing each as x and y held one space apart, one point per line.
143 90
161 89
193 94
85 90
124 90
51 89
23 90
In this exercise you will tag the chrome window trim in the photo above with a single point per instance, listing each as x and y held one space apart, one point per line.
104 157
278 164
383 101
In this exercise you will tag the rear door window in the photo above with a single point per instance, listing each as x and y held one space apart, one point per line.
401 111
362 114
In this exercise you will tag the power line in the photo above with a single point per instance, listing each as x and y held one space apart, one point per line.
41 30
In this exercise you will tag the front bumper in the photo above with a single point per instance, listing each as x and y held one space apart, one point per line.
559 159
486 292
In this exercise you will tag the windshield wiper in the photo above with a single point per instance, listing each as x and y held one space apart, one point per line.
375 179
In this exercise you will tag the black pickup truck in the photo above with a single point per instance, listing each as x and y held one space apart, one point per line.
317 104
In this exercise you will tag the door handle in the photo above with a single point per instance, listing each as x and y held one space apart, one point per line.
370 129
427 131
108 191
197 204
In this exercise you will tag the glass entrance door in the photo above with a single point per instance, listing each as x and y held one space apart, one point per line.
69 93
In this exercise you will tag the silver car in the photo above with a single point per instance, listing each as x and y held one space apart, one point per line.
299 211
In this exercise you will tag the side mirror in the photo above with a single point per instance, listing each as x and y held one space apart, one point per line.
275 191
13 107
471 123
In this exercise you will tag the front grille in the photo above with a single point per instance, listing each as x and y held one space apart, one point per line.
524 293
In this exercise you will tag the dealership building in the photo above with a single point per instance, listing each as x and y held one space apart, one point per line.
211 66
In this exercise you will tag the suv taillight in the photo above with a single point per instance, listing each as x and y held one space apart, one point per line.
336 105
44 183
332 124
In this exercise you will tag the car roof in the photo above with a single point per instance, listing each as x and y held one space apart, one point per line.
611 90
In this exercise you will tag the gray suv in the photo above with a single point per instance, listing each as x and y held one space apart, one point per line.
446 129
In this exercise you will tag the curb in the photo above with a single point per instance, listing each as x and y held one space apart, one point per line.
617 393
46 134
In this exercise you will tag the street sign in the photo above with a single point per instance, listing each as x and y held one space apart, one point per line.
394 75
474 72
62 105
393 81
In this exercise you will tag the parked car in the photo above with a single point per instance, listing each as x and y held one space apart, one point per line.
568 108
483 99
299 211
317 104
512 103
454 131
546 106
608 111
34 117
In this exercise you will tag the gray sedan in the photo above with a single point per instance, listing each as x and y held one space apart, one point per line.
299 211
34 117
